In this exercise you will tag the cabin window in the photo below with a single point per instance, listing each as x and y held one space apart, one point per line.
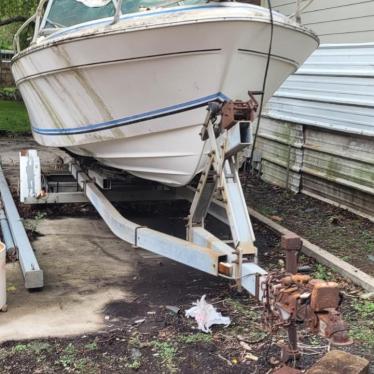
65 13
131 6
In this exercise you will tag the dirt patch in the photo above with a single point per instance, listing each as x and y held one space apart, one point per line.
340 232
139 332
147 337
126 309
142 334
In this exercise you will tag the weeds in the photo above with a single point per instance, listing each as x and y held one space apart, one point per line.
362 328
135 364
20 348
365 309
4 353
67 358
167 354
135 342
91 346
322 272
364 333
244 310
196 338
33 224
39 347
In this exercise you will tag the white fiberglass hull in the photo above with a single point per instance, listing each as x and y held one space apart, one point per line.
134 95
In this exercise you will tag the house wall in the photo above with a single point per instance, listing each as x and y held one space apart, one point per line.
329 165
317 131
335 21
333 89
6 77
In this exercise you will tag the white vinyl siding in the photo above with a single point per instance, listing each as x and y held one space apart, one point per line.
335 21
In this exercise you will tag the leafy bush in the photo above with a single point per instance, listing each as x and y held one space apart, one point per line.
10 93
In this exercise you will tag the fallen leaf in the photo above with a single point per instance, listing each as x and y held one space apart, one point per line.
276 218
245 346
250 356
273 361
11 289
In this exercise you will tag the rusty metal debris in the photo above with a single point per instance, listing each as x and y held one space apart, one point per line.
292 298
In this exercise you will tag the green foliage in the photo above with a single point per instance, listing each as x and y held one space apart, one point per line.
196 338
91 346
6 36
134 341
12 8
363 333
368 242
9 93
322 272
20 348
135 364
362 325
67 359
365 309
13 118
39 347
243 310
167 353
34 224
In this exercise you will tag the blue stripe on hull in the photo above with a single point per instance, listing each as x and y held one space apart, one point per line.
134 118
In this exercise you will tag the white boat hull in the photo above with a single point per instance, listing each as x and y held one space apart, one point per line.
134 95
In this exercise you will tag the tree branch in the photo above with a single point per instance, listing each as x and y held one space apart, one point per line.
10 20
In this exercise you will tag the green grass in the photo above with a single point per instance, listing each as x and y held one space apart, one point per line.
13 118
167 354
362 327
196 338
322 272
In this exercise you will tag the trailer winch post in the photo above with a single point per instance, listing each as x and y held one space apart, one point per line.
220 180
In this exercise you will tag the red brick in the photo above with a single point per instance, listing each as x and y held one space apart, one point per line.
339 362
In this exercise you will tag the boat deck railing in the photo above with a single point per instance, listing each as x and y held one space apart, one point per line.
38 17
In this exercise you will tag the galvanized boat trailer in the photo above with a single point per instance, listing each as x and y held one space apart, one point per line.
288 297
219 191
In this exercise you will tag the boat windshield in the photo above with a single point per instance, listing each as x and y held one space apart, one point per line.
65 13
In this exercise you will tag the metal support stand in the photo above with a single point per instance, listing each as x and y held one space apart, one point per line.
220 180
31 271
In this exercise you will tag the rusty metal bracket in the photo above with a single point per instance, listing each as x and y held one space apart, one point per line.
238 110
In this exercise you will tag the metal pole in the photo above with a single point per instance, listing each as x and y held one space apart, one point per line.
32 273
7 235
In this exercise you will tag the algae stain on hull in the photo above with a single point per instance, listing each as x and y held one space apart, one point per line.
90 92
